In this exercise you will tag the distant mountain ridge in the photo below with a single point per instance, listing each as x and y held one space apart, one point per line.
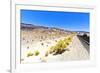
32 26
23 25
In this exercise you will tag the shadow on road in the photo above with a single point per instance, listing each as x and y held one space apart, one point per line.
86 45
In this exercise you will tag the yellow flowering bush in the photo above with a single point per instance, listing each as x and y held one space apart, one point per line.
60 46
36 53
29 54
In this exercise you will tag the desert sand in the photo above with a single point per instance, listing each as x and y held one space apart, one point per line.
35 43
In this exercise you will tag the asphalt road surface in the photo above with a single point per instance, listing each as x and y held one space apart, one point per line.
85 43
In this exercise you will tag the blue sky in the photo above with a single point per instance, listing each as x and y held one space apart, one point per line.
74 21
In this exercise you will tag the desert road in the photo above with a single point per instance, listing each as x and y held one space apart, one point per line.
85 43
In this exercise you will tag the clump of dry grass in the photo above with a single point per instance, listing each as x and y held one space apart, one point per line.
61 46
27 41
29 54
23 38
32 40
42 43
28 47
36 53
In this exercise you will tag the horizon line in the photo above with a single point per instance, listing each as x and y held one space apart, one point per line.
58 28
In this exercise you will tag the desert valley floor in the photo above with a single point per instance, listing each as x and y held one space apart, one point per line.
39 44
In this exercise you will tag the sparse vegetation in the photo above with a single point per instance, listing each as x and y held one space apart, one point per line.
61 46
27 41
28 47
35 41
36 53
40 40
55 40
46 54
23 38
29 54
42 43
41 37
